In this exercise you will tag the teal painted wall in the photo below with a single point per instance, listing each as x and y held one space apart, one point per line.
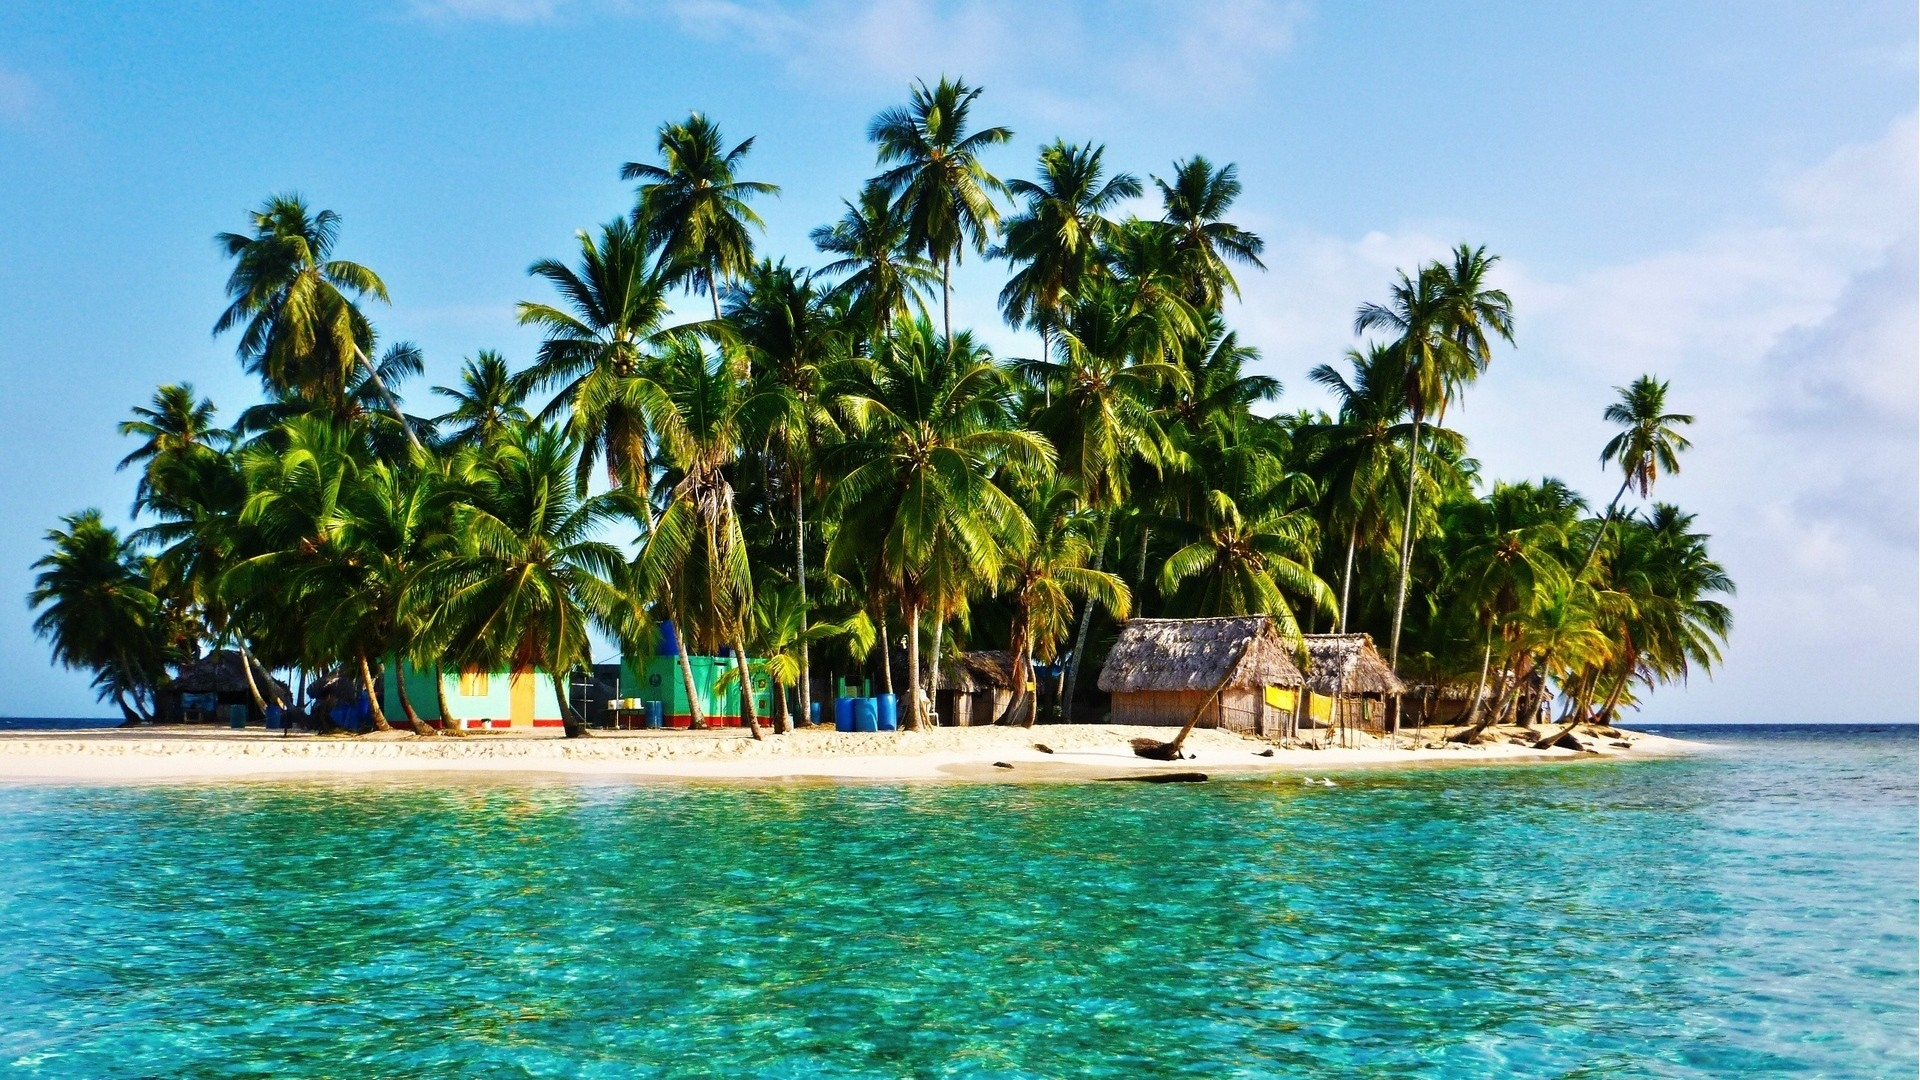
657 678
495 704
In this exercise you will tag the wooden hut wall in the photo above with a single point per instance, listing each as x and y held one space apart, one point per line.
1241 709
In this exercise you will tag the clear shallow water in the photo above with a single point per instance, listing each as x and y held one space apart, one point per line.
1747 912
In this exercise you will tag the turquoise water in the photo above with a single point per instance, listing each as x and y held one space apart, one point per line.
1747 912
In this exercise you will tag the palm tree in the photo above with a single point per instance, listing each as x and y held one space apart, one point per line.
695 545
1196 202
792 334
1432 360
882 274
1649 442
927 426
529 574
937 177
781 635
1671 622
596 348
488 401
1507 557
1101 413
1243 564
1045 569
178 423
98 611
301 328
693 206
1055 240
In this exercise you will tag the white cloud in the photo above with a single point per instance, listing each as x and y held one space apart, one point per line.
1797 344
18 95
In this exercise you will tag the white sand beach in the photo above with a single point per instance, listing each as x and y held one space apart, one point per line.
976 754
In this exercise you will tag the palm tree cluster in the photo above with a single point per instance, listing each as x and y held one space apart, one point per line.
820 467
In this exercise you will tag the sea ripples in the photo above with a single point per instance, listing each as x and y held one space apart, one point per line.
1748 911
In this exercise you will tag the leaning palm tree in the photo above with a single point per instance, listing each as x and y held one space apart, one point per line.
882 274
297 307
529 575
1648 443
488 401
98 610
1055 239
695 208
597 345
937 177
928 426
1196 202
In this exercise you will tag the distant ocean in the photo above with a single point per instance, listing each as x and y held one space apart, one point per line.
1747 911
54 723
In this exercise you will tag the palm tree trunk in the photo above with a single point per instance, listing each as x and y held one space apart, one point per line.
946 298
713 291
746 687
1172 749
800 577
246 667
393 403
933 667
1346 580
1406 544
1480 692
1600 533
886 652
1072 673
419 726
694 709
571 722
1619 687
373 694
1140 569
448 725
912 616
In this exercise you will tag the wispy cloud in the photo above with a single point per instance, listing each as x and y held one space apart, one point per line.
19 95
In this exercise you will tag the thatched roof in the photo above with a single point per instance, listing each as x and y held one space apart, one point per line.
220 672
978 671
1193 654
1348 664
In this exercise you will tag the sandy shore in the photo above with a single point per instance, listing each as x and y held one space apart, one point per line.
1078 752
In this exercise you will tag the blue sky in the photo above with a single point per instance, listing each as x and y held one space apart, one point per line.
1721 194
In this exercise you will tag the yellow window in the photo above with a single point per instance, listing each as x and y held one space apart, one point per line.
473 684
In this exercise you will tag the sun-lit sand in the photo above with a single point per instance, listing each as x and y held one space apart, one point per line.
1080 751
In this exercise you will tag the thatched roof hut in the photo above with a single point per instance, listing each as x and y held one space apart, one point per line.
1181 655
987 670
1347 664
221 672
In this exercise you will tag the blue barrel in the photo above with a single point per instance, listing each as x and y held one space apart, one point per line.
656 713
866 714
814 719
843 714
889 707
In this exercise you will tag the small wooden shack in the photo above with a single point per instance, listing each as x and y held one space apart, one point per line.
1161 670
975 688
1349 683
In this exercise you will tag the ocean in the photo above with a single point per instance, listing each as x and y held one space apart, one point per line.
1747 911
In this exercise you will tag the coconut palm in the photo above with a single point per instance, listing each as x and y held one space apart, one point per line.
937 177
695 209
928 426
488 401
1055 239
1648 443
596 347
1672 623
882 274
178 423
97 610
1247 564
1046 569
1195 205
695 546
529 575
297 307
1419 318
